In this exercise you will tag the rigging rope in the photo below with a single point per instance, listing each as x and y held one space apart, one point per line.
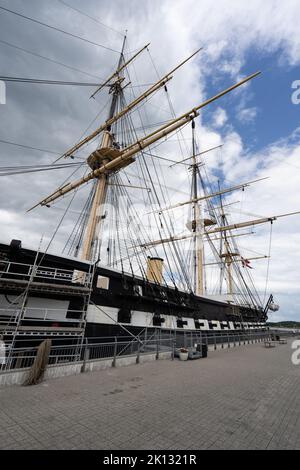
38 81
57 29
7 171
269 258
35 54
28 147
90 17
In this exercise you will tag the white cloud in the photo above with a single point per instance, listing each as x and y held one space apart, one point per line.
247 115
279 194
219 118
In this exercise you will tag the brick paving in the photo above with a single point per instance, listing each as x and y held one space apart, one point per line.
246 397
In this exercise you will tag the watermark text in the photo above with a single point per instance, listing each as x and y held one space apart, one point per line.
296 354
2 92
296 93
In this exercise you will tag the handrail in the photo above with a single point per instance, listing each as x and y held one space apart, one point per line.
14 312
44 272
110 350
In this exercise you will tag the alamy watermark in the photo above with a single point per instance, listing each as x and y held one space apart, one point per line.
2 92
296 354
296 94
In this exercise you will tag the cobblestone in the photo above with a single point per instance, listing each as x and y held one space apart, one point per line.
239 398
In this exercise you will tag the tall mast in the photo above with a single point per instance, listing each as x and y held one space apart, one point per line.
221 239
227 255
126 156
197 224
96 216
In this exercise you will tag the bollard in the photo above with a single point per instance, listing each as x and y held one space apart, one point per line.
115 353
138 354
173 350
85 358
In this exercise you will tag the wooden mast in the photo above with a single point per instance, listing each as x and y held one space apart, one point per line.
125 157
197 225
96 216
221 229
212 195
160 83
228 261
227 255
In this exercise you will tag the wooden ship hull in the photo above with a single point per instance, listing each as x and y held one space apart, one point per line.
103 303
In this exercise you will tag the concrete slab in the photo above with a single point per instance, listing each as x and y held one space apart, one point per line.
243 397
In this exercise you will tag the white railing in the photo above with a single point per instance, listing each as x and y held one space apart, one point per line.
11 269
46 314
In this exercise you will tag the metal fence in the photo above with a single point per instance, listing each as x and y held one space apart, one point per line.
222 339
117 347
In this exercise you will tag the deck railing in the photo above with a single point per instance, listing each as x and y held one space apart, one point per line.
13 270
9 314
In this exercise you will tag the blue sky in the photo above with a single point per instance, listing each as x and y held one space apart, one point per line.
276 116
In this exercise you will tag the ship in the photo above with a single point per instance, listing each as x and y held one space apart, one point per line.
126 268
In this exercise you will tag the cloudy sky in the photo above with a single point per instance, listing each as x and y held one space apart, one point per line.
258 125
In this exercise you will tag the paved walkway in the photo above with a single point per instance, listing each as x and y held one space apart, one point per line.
246 397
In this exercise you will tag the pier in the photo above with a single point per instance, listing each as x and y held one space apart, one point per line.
236 398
